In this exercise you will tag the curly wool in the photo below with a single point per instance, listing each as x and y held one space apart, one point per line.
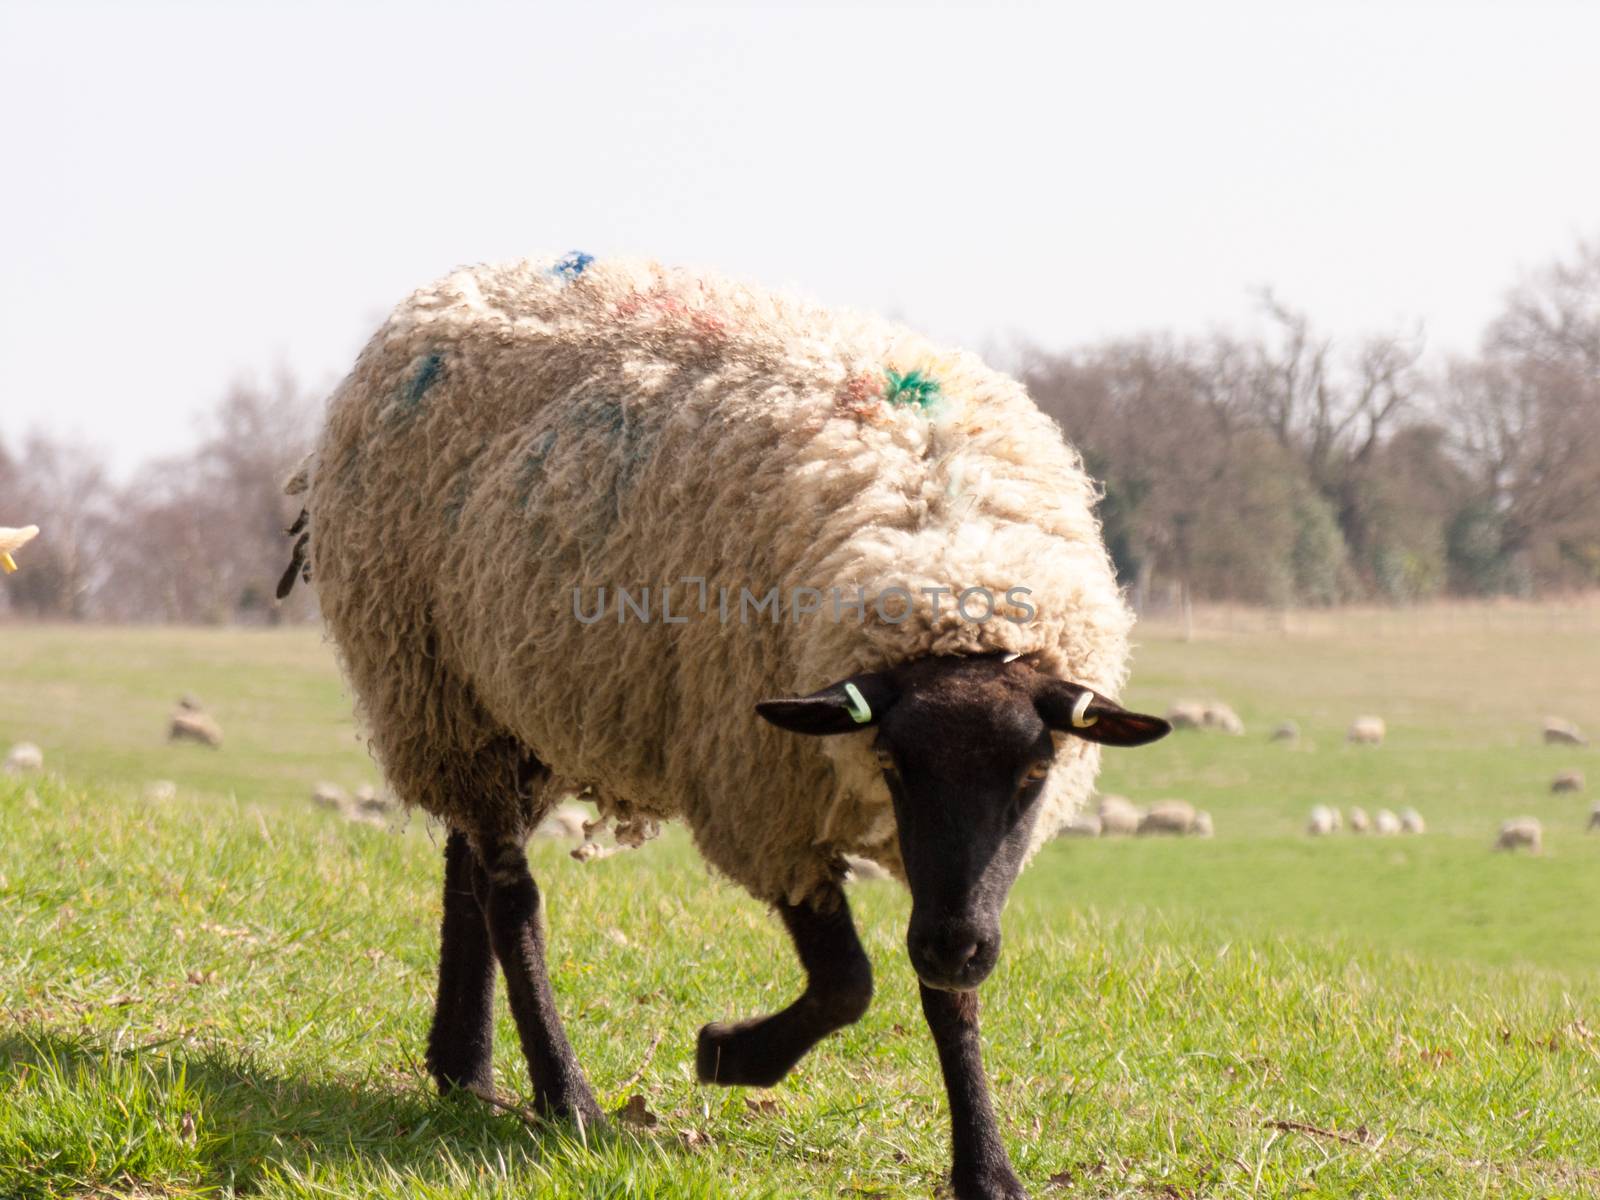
518 431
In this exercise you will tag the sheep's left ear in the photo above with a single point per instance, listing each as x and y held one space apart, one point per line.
842 707
1073 708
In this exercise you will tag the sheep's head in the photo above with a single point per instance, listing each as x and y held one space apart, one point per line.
965 745
14 539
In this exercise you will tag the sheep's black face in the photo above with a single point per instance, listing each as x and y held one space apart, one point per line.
965 746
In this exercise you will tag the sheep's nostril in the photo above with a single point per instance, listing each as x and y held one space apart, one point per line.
946 959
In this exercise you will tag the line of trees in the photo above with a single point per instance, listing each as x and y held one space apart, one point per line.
1281 469
197 538
1289 470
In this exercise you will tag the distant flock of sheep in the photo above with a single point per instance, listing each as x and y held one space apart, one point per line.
1119 816
1114 816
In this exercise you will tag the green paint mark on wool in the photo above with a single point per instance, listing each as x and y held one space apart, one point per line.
914 387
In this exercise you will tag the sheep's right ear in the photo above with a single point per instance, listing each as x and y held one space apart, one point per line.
842 707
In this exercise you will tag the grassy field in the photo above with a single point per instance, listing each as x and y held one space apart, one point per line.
227 993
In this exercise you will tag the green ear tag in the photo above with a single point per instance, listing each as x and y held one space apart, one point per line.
860 711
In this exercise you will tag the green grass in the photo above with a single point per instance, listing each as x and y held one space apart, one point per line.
227 994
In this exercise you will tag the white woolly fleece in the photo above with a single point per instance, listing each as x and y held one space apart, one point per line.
517 431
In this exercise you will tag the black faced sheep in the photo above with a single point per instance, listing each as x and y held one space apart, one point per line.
801 579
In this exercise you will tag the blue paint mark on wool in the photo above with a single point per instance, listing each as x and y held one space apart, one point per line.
573 265
427 375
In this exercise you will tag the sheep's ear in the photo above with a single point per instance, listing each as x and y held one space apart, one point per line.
1073 708
842 707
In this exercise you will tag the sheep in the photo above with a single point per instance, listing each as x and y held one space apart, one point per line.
1366 731
23 758
1323 821
1560 732
1568 781
12 540
1168 817
567 823
605 525
1187 714
1358 820
1082 825
1411 821
1204 714
1286 731
1118 816
1220 717
1385 823
191 726
331 796
1594 818
1521 833
1202 826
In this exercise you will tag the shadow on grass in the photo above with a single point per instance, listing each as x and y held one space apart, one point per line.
237 1124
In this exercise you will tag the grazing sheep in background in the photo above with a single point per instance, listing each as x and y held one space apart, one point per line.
519 441
1222 719
190 726
1169 817
1202 826
1118 816
330 795
1411 821
567 822
1559 732
1358 820
1187 714
1204 714
1385 823
1594 818
372 802
1521 833
1323 821
23 758
862 870
1367 731
1081 825
1286 731
1567 781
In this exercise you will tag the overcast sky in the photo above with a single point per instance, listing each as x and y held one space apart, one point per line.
195 192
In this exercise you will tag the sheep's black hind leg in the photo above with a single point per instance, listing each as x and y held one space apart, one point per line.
461 1042
517 934
760 1052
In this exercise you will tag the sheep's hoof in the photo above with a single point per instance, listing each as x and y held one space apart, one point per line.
998 1183
737 1056
581 1111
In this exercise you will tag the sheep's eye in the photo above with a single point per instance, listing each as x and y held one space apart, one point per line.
885 759
1037 772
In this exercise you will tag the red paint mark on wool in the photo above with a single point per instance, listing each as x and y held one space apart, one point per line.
665 307
859 396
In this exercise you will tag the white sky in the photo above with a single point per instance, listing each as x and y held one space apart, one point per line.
195 192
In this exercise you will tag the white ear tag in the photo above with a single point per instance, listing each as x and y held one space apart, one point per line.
1081 707
858 708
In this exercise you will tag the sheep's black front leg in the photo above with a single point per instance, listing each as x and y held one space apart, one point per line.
980 1170
517 934
461 1042
758 1053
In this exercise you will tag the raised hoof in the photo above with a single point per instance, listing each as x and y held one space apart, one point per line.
998 1184
736 1056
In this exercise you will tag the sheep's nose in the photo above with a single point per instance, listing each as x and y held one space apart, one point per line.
957 960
